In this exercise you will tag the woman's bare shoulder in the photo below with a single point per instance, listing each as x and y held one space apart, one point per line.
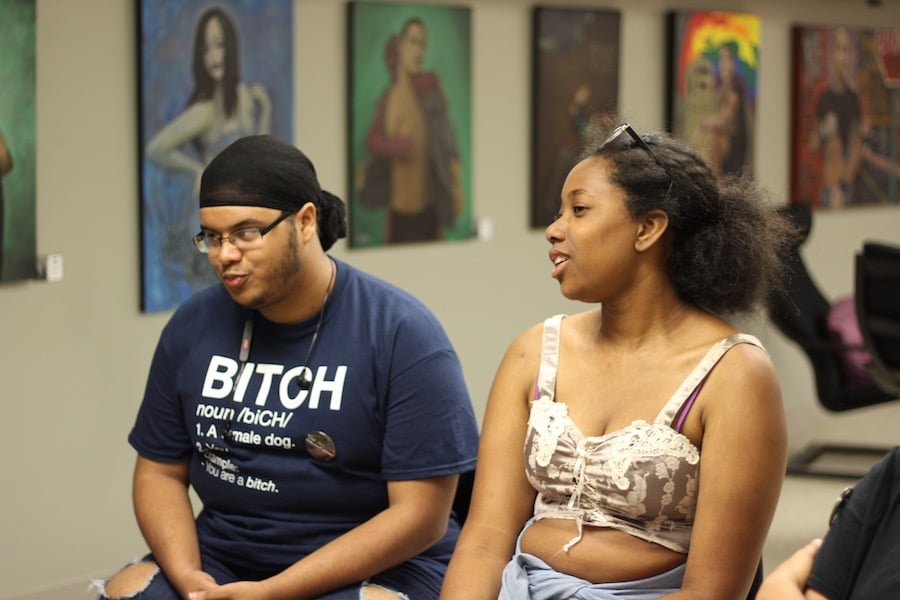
526 343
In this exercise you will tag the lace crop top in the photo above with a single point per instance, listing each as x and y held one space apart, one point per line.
641 479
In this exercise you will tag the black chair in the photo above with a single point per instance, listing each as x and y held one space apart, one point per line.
801 314
878 311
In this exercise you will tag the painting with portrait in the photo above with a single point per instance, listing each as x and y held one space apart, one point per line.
575 85
713 86
846 117
18 255
409 124
210 73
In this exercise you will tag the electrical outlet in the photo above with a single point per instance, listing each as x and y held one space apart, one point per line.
50 267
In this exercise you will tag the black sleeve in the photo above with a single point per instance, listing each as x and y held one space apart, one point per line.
858 554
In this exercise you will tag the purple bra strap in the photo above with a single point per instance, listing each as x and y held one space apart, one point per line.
686 407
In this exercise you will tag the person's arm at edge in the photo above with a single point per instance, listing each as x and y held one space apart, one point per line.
788 580
502 498
166 519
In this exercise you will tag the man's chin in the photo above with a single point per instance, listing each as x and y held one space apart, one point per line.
247 301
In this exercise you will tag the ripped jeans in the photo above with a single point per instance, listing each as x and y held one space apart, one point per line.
383 585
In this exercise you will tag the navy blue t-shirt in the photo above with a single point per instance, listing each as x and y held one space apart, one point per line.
387 389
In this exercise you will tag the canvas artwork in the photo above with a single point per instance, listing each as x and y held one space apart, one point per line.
846 117
713 86
18 254
575 85
409 127
210 73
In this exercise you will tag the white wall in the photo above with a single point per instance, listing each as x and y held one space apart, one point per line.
73 355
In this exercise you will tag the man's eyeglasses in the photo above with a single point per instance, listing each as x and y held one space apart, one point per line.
626 128
242 239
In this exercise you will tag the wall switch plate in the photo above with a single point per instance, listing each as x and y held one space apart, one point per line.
484 229
50 267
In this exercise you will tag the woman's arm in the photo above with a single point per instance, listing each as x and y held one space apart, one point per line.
743 453
166 519
502 498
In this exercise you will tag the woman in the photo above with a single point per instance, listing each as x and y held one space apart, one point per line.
221 108
653 431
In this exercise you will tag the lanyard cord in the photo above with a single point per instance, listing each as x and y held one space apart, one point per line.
244 355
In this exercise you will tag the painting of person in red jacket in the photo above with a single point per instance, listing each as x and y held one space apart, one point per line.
414 169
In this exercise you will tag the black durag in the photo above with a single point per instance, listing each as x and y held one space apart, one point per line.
262 170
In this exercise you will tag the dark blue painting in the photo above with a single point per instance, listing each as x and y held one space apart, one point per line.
210 73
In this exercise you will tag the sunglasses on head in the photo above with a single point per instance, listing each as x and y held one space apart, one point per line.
626 128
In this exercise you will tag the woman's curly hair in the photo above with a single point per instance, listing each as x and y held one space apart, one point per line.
726 239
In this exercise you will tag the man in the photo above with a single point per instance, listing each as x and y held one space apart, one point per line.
319 413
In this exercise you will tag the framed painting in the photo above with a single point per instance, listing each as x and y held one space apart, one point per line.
845 116
409 123
575 62
210 73
712 81
18 255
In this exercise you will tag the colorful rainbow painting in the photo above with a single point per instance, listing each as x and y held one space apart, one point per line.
713 85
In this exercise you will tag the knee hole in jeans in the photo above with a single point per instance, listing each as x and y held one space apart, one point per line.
373 591
130 581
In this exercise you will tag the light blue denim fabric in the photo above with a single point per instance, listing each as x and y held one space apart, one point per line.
527 577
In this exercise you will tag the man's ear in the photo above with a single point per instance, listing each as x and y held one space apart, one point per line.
651 228
306 220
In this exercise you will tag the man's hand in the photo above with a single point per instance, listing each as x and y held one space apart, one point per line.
242 590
